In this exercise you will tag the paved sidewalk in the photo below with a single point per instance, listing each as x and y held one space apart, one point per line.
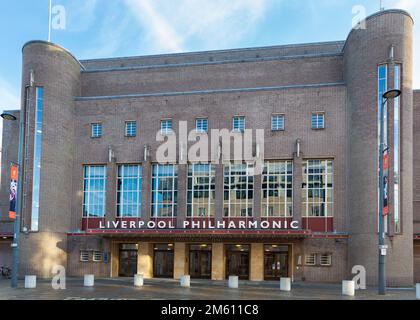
157 289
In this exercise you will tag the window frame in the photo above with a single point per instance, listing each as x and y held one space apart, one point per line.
265 202
127 123
314 256
92 130
328 256
272 122
249 202
95 255
81 255
233 124
174 191
211 204
200 131
166 131
105 179
139 179
305 189
318 114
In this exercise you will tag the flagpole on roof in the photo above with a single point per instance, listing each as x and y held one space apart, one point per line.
49 21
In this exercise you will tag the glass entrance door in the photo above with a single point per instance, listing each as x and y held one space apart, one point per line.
276 262
200 261
237 261
128 260
163 261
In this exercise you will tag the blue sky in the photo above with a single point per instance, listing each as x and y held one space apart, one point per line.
105 28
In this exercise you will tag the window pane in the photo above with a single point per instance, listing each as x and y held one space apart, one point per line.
94 191
239 190
277 189
130 128
277 122
201 199
129 191
164 190
318 189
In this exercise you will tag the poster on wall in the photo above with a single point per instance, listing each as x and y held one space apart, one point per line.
13 191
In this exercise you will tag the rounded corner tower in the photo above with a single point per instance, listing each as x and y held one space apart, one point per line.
377 57
50 82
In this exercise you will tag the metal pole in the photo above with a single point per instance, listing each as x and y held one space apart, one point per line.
381 270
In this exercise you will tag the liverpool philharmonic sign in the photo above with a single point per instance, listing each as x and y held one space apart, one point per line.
201 224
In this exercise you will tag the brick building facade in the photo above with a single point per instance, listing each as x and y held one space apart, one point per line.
91 145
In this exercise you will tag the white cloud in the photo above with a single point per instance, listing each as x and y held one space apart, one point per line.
9 100
80 14
9 96
171 26
413 7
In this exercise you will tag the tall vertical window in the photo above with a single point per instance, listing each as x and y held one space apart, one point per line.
130 128
94 191
317 185
166 127
36 182
164 190
239 124
382 88
96 130
202 125
238 190
201 190
277 189
318 120
129 190
397 131
277 122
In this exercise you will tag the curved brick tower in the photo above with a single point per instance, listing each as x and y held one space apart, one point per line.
365 50
57 72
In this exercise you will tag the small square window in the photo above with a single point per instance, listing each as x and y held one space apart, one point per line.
166 127
84 256
326 260
130 129
97 256
96 130
310 259
239 124
318 120
277 122
202 125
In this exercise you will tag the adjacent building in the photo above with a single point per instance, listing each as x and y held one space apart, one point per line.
98 199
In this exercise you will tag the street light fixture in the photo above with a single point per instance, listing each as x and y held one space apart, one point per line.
389 95
16 234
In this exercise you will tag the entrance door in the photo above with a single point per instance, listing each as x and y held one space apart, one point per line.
237 261
276 262
163 261
200 261
128 260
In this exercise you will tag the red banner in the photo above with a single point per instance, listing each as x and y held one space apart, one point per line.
13 191
386 184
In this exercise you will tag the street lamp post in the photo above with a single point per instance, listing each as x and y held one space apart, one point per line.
389 95
16 232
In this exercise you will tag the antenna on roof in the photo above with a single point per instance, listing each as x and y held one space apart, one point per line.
49 21
381 7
